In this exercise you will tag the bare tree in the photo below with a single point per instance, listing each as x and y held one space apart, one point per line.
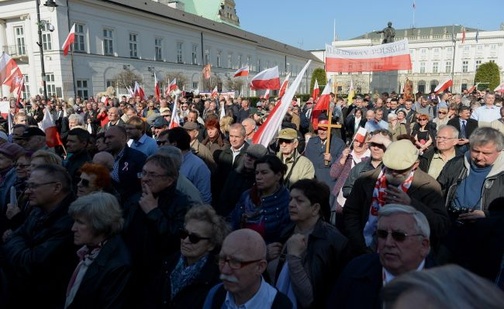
182 80
127 78
235 84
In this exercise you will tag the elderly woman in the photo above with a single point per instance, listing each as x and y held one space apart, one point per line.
101 277
311 252
94 177
189 274
40 157
395 127
442 116
215 140
264 207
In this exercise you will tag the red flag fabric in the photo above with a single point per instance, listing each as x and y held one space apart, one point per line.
267 79
272 124
70 39
379 58
52 135
138 91
266 95
284 86
322 104
215 92
243 71
360 136
173 85
444 85
316 90
10 74
20 88
175 119
207 71
157 91
463 34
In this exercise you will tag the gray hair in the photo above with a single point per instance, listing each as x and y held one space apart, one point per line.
484 135
102 210
421 223
167 164
78 118
455 132
238 126
174 153
447 287
219 227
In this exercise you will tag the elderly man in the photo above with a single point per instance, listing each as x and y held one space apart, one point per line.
433 160
375 121
242 261
113 118
488 112
135 129
192 128
159 125
298 166
403 244
250 128
398 181
39 257
473 186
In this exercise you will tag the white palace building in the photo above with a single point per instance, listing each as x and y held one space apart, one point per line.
144 37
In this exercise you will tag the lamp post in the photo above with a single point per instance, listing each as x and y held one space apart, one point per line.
454 40
51 5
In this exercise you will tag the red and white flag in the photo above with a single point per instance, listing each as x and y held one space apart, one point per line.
473 87
284 86
379 58
322 104
173 85
214 93
138 91
70 39
463 34
360 135
19 88
10 74
157 91
207 71
130 91
500 88
175 119
266 94
444 85
244 71
316 90
267 79
47 124
272 124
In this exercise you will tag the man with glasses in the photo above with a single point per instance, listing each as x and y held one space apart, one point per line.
433 160
402 237
40 256
398 181
298 166
242 261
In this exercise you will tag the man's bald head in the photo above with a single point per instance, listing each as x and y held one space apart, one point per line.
248 242
104 158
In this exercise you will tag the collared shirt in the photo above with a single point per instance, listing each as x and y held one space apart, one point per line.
486 113
145 144
387 276
262 299
236 152
115 171
437 164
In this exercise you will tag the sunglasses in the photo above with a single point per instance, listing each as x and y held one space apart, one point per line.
193 238
442 113
287 141
84 182
396 235
422 119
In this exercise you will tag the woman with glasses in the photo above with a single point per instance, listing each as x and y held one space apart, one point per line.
264 208
423 133
101 277
442 116
189 274
312 251
395 127
93 178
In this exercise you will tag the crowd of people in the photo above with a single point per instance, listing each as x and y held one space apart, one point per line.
134 209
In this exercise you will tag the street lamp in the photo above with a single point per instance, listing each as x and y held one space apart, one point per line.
51 5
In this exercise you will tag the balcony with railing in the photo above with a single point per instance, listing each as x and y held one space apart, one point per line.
15 51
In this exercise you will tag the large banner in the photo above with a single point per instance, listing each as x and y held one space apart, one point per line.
386 57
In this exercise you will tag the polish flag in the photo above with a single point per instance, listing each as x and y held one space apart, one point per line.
214 93
316 90
138 91
322 104
244 71
444 85
463 34
379 58
272 124
266 94
19 88
173 85
130 91
157 91
474 87
70 39
360 136
175 119
10 74
284 86
47 124
500 88
267 79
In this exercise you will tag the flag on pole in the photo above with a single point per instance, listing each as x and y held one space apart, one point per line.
284 86
175 119
463 34
70 39
414 5
351 93
447 83
19 88
47 124
243 71
157 91
474 87
477 36
215 92
130 91
266 94
207 71
360 135
316 90
272 124
138 91
322 104
10 74
173 85
267 79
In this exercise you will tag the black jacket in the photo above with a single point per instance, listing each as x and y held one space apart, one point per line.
105 283
130 164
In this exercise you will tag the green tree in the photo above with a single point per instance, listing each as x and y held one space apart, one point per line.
320 75
488 74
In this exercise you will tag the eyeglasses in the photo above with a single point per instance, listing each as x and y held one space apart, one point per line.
149 175
442 113
33 186
396 235
169 115
84 182
442 138
233 263
377 145
19 165
193 238
422 119
161 143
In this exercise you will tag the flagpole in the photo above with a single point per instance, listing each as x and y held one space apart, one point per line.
414 12
72 54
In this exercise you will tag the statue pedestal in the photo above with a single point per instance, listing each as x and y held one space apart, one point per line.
385 82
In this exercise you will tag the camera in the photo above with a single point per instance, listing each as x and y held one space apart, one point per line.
455 211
